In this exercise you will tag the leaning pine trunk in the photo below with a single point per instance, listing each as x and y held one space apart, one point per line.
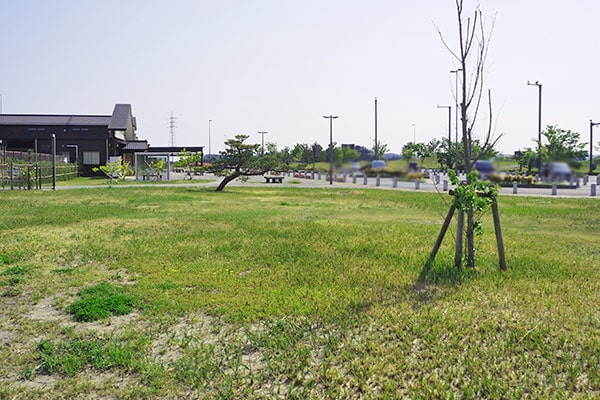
226 180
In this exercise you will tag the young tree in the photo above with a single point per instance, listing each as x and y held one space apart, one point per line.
409 151
379 150
115 171
188 160
526 159
349 154
444 152
241 159
471 56
562 145
422 152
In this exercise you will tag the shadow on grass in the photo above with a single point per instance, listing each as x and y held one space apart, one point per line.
436 279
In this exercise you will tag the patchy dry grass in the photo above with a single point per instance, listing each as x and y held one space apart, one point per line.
294 293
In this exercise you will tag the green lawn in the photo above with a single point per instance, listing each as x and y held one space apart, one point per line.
266 292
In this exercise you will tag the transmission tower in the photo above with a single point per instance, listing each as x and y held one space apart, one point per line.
172 126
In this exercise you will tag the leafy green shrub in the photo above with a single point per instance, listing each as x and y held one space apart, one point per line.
101 301
4 259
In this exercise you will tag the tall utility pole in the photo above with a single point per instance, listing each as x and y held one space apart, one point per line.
376 143
262 152
592 125
539 159
172 126
209 121
331 118
455 72
448 158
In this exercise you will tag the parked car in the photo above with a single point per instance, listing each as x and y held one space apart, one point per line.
378 164
557 171
486 168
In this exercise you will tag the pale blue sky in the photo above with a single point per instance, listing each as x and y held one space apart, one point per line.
280 65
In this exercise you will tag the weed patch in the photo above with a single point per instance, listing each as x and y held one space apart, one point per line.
101 301
70 357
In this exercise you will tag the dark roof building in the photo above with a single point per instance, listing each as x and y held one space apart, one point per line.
90 140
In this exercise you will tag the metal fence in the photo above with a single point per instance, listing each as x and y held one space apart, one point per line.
28 176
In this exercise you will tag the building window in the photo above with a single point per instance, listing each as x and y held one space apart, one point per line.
91 158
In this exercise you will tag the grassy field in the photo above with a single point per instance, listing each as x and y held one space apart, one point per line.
265 292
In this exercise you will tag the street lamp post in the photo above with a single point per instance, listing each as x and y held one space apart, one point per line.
262 151
448 160
539 85
209 121
376 144
331 118
592 125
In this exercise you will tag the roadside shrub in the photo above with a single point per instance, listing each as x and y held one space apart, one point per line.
101 301
520 179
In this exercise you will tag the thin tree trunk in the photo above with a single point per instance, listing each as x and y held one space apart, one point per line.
460 231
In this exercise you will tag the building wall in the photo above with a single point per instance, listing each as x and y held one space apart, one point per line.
72 141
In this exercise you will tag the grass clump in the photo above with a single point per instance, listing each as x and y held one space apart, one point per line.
16 270
101 301
71 356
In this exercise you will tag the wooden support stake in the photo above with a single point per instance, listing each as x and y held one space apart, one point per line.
440 237
470 240
499 240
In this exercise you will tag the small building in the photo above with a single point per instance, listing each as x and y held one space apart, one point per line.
89 140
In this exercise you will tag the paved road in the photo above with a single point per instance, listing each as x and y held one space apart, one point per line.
359 182
427 186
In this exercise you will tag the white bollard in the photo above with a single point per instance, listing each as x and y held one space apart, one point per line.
585 180
593 190
515 186
365 180
353 178
554 189
417 184
319 176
